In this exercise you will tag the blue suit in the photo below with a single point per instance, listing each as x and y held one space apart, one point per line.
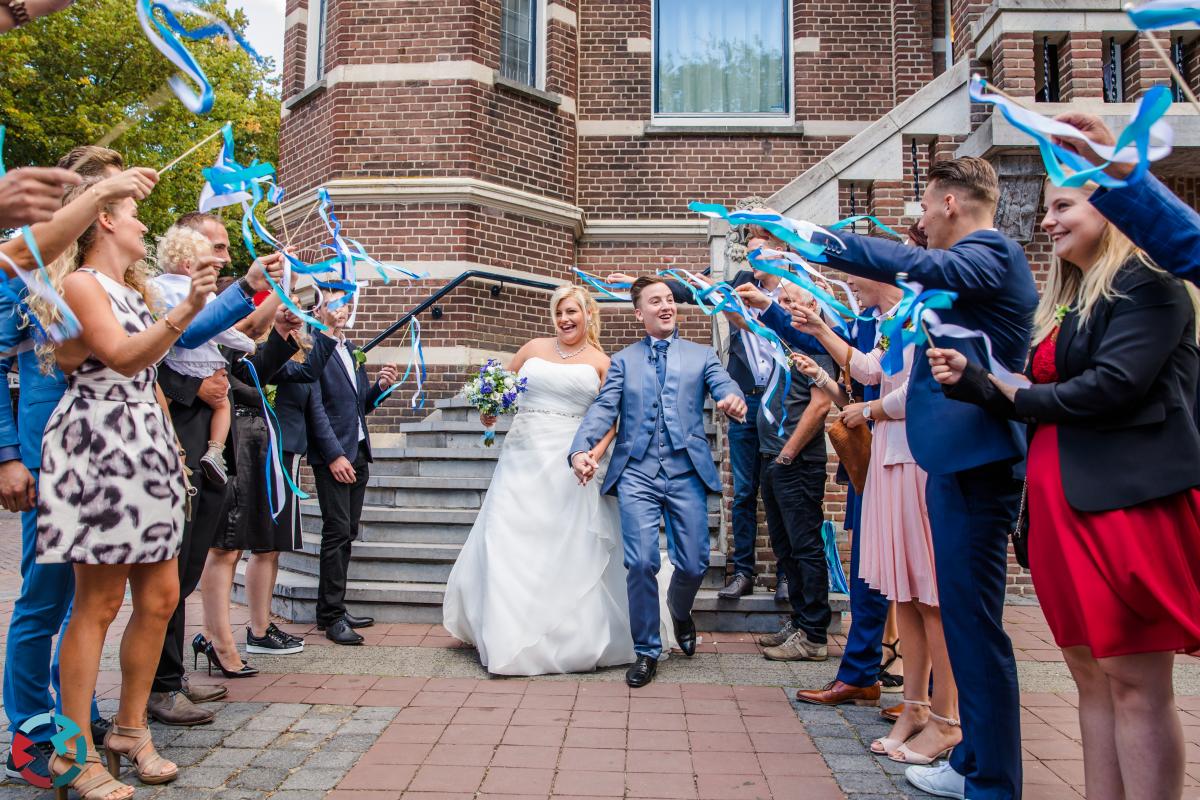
1158 222
971 494
43 607
662 465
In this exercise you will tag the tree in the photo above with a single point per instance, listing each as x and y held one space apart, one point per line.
69 78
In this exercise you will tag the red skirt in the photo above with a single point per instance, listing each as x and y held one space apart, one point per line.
1120 582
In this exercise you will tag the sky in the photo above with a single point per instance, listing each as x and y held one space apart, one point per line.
265 32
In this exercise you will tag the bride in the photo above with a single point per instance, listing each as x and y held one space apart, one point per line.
539 586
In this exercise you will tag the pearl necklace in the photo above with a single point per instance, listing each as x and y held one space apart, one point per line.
565 356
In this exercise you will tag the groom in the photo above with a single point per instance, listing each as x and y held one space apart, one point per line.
661 466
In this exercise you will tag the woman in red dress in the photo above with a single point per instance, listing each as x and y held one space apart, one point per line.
1113 508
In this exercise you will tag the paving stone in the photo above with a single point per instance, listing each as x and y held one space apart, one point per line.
293 710
228 757
333 759
8 789
811 713
313 778
265 779
269 724
329 711
277 758
299 741
322 725
828 745
295 794
250 708
253 740
835 730
357 743
381 712
176 792
355 726
864 782
201 737
207 777
852 763
229 721
237 794
185 756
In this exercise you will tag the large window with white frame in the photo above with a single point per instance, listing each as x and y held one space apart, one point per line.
722 62
522 41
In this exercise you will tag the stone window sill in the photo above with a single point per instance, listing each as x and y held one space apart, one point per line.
653 129
548 98
311 91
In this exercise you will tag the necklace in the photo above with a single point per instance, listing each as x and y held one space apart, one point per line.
564 356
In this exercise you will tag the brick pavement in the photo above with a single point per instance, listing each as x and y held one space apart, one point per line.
382 722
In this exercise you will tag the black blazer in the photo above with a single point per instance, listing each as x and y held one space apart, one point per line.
1124 397
337 407
739 360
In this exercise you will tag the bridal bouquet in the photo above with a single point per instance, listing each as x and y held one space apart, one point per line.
493 391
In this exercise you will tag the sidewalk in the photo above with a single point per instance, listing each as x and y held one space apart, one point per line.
411 715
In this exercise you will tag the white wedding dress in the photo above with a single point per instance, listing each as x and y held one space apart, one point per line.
539 586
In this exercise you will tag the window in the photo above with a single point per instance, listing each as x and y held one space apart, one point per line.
1045 74
1114 73
519 41
322 23
715 58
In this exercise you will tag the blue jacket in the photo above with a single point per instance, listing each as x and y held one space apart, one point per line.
337 407
40 393
997 296
1158 222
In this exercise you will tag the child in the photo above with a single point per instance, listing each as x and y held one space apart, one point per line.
177 251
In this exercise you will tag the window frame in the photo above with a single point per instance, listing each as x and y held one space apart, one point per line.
760 120
541 27
315 67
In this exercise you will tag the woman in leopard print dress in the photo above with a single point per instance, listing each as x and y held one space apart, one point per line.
111 492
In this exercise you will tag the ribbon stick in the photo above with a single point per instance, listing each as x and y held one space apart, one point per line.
1145 139
848 222
607 288
165 35
906 327
276 470
796 233
226 129
941 329
416 367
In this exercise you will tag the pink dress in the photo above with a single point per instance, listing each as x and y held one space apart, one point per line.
896 549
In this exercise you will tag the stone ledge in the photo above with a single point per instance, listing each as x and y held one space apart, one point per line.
549 98
306 94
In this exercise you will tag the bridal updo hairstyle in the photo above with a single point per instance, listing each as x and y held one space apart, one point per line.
591 311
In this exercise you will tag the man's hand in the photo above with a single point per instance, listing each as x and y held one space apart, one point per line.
32 194
342 470
810 322
1098 131
18 490
387 376
733 407
917 236
135 182
214 389
620 277
852 415
267 265
946 365
753 296
584 466
204 281
286 323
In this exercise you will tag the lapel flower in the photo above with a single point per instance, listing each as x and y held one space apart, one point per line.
360 358
1060 313
884 343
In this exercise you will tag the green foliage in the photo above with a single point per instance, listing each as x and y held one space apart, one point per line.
69 78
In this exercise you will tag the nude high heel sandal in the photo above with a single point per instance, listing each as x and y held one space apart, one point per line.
97 787
905 755
144 768
886 745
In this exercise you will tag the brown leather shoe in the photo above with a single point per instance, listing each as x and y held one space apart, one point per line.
836 693
892 713
174 708
203 694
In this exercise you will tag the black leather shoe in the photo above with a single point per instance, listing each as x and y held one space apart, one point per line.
740 586
685 634
358 622
340 632
781 589
642 672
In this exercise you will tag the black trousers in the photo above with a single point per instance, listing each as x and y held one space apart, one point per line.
209 516
793 496
341 507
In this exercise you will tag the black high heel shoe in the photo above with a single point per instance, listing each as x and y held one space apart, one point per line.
214 660
199 645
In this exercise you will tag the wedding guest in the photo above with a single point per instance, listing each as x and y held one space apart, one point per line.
114 509
1112 501
791 434
972 493
173 701
340 455
44 601
897 546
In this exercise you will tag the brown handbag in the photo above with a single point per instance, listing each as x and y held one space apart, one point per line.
853 445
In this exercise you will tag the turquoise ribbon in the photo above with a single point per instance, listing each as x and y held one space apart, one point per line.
416 367
838 314
608 288
276 470
905 328
848 222
1158 14
1066 168
796 233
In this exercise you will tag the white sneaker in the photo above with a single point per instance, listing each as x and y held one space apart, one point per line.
940 780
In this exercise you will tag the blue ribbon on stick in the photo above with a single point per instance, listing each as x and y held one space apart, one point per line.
1158 14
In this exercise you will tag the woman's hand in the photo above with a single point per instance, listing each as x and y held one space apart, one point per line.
810 322
946 365
204 281
135 182
488 420
852 415
806 365
1008 391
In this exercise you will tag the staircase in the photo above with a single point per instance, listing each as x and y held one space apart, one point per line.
422 499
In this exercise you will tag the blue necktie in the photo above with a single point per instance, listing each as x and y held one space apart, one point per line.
660 360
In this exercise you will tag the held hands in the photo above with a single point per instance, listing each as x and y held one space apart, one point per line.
585 466
286 323
810 322
387 376
852 415
733 407
266 265
946 365
204 281
18 490
214 390
32 194
342 470
135 182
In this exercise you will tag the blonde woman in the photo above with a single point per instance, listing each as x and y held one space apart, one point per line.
539 586
111 493
1111 497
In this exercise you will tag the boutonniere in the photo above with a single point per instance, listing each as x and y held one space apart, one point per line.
360 357
885 342
1060 313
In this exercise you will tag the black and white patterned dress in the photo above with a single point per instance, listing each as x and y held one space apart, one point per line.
111 488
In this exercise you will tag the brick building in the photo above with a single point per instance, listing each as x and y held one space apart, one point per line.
524 137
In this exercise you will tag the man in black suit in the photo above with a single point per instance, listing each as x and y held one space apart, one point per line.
340 453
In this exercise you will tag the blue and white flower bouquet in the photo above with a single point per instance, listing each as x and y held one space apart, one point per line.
493 391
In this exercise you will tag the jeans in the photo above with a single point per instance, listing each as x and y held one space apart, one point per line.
341 508
743 462
793 495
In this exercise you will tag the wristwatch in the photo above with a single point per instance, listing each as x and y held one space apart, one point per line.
17 9
866 411
244 285
783 460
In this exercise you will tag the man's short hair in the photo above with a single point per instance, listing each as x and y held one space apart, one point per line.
196 219
91 161
975 177
639 286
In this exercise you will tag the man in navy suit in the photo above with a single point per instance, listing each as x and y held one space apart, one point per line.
340 453
970 456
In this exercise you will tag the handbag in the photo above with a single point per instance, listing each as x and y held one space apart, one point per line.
853 445
1020 532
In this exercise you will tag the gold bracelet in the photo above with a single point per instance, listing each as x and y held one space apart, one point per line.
178 330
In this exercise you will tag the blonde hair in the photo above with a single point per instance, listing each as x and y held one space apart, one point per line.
180 246
591 311
137 277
